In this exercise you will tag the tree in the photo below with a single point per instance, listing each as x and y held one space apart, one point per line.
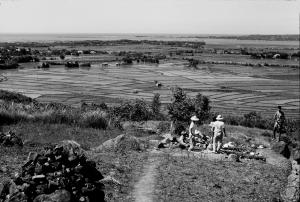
183 107
202 107
155 106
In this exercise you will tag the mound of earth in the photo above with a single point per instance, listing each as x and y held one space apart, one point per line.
60 173
121 143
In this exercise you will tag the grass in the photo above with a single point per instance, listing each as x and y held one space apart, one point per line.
124 165
186 179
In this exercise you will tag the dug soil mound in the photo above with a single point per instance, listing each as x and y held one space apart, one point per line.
122 143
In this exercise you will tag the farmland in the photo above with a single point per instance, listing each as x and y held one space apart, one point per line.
235 83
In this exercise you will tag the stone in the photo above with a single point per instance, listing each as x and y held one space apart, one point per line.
281 148
57 196
296 155
18 197
260 147
295 167
233 157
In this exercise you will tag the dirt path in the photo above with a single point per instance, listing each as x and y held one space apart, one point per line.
144 188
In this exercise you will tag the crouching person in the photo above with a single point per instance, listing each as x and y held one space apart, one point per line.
194 132
218 127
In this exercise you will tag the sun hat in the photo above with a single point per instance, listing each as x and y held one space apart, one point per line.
197 132
194 118
219 117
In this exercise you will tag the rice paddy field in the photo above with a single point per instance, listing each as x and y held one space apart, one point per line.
232 89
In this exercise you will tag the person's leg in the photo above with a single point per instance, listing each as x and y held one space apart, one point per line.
220 138
279 133
191 144
274 131
214 143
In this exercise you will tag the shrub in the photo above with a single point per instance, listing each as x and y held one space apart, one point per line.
93 119
136 110
14 97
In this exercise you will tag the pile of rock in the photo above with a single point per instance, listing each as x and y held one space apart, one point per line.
59 173
10 139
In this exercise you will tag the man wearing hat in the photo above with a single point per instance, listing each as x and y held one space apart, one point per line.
218 127
193 131
279 119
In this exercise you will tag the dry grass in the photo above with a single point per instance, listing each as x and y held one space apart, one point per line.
187 179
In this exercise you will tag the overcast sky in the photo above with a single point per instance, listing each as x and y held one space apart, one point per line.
150 16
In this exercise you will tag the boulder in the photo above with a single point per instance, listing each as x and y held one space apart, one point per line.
57 196
292 191
281 148
296 155
233 157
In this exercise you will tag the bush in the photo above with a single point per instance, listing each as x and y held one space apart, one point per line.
136 110
93 119
14 97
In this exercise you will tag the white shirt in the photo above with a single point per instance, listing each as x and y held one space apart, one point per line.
218 127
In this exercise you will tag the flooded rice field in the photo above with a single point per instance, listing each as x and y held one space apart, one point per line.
231 89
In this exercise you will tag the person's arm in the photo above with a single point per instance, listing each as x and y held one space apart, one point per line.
224 132
190 130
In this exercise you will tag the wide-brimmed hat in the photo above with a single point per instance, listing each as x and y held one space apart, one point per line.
194 118
219 117
197 132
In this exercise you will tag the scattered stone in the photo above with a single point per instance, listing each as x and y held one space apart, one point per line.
58 196
59 173
260 147
10 139
229 145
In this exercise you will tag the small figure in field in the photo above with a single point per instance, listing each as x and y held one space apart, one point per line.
218 128
279 119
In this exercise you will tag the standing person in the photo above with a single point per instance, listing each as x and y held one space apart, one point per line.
279 119
218 128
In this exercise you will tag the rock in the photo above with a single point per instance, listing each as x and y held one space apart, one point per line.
210 147
3 169
32 156
292 191
260 147
296 155
233 157
281 148
18 197
57 196
295 167
111 180
229 145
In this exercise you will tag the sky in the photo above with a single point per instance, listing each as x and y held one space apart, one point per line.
150 16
